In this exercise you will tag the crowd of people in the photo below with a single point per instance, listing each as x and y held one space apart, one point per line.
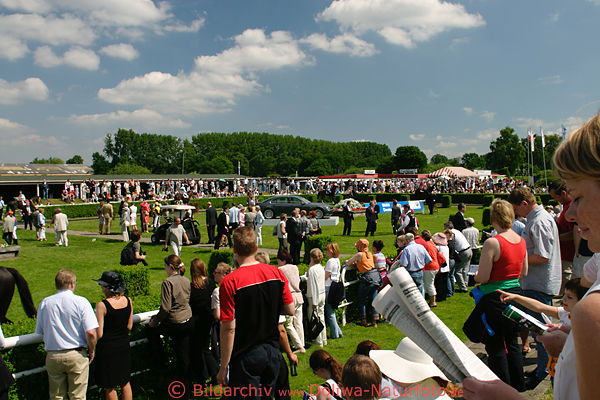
531 258
91 190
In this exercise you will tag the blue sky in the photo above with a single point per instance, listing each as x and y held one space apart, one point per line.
444 76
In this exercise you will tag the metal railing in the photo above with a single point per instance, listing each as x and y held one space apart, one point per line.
34 338
141 318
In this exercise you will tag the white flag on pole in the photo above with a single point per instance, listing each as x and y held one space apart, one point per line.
532 140
543 140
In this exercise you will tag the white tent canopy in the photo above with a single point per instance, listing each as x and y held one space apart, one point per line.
454 172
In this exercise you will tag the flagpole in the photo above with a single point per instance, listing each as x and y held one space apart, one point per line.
528 153
544 155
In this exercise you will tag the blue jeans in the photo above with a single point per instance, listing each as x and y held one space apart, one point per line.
542 358
451 280
366 295
334 329
417 277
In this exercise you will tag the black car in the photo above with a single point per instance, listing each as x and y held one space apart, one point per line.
277 205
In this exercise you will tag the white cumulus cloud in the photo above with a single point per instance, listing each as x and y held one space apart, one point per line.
468 110
77 57
50 29
550 80
18 92
12 48
488 134
401 22
488 115
122 50
216 81
194 26
344 43
16 134
142 118
418 137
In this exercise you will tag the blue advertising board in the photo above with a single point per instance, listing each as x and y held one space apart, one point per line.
386 206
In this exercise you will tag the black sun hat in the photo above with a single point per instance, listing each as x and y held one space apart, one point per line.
112 281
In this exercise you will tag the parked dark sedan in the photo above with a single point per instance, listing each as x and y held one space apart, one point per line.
277 205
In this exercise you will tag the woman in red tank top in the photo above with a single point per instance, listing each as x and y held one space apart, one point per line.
503 261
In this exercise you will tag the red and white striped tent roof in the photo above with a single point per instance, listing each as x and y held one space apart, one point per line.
454 172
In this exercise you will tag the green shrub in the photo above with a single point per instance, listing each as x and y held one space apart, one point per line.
217 256
487 200
446 200
337 198
217 202
310 197
317 241
364 197
486 219
137 279
403 197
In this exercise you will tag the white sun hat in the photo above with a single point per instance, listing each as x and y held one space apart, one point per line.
407 364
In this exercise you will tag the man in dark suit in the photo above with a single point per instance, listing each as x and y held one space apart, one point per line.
372 214
211 222
396 211
295 235
459 217
348 216
430 200
223 228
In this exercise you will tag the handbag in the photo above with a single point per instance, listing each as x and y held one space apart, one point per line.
315 326
337 293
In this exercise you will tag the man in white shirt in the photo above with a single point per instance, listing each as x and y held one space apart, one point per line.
175 235
234 212
414 257
68 325
463 258
471 233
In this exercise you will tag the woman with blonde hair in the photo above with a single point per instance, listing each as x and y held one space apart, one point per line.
315 290
332 274
502 263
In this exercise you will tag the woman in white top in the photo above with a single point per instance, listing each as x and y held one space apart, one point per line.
332 274
315 290
293 323
258 223
133 216
125 221
281 232
442 278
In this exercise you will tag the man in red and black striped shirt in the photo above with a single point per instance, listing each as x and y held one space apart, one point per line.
252 298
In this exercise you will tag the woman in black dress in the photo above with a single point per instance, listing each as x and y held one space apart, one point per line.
115 319
202 287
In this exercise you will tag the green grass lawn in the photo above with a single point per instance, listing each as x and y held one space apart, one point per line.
88 258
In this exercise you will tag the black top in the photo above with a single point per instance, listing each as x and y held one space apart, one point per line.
115 322
200 299
211 216
396 211
459 221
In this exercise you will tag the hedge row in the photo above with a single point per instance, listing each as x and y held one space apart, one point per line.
446 200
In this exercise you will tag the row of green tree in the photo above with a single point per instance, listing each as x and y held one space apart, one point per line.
264 154
254 154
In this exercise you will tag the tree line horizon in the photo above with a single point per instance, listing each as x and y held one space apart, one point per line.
267 154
